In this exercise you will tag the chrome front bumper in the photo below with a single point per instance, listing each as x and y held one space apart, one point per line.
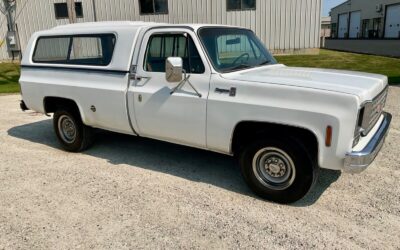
356 162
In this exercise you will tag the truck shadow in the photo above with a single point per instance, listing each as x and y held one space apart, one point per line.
184 162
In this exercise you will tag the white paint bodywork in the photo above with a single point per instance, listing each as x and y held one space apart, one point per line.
143 105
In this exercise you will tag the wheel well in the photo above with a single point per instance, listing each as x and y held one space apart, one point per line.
52 104
246 132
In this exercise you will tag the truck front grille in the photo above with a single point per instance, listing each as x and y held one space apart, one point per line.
373 111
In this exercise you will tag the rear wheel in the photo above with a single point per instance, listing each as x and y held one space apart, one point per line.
73 135
280 170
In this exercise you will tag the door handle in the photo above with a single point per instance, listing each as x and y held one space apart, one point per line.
139 78
222 91
231 91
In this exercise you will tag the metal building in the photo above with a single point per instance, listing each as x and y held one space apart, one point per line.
285 26
366 19
366 26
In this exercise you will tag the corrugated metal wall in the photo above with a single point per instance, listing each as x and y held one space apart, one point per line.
285 26
3 30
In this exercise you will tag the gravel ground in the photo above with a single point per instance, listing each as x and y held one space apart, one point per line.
127 192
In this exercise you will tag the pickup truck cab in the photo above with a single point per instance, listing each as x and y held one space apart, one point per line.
211 87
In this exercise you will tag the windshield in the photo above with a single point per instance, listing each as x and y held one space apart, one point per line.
232 49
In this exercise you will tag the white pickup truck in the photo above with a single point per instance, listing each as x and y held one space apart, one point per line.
211 87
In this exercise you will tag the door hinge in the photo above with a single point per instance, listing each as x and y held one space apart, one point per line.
132 72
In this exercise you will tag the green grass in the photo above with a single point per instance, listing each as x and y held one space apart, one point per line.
9 75
347 61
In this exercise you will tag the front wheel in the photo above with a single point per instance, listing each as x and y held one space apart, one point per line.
73 135
279 170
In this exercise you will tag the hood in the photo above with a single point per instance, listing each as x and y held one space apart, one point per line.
364 85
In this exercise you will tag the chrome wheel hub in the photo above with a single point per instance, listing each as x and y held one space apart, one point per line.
67 129
274 168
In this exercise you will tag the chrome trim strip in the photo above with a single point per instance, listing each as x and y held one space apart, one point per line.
63 68
380 93
356 162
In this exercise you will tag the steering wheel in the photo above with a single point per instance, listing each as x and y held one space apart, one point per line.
240 57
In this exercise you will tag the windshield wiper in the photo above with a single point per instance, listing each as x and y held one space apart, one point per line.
241 66
265 62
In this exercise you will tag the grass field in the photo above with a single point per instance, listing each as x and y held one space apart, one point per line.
347 61
9 73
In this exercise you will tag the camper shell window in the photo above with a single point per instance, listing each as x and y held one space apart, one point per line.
75 49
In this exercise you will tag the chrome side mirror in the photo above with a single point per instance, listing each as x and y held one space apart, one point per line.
174 69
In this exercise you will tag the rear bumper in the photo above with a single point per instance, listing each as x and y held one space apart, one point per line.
356 162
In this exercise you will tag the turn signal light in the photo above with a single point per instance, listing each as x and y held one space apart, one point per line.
328 136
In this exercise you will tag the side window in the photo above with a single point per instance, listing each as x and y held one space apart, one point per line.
92 50
160 47
75 50
52 50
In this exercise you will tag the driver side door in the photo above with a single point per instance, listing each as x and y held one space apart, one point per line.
179 116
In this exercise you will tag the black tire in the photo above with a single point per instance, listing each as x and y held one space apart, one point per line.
301 177
83 135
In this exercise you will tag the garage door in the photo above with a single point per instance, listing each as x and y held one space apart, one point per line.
392 27
355 21
343 25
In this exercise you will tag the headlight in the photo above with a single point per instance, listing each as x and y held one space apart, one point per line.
358 129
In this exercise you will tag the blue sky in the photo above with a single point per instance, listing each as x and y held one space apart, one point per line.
329 4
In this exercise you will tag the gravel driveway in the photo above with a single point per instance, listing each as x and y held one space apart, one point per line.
128 192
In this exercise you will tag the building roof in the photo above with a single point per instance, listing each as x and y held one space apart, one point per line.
341 4
326 20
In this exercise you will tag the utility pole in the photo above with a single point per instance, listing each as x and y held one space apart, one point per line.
76 44
94 10
8 10
12 38
71 11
